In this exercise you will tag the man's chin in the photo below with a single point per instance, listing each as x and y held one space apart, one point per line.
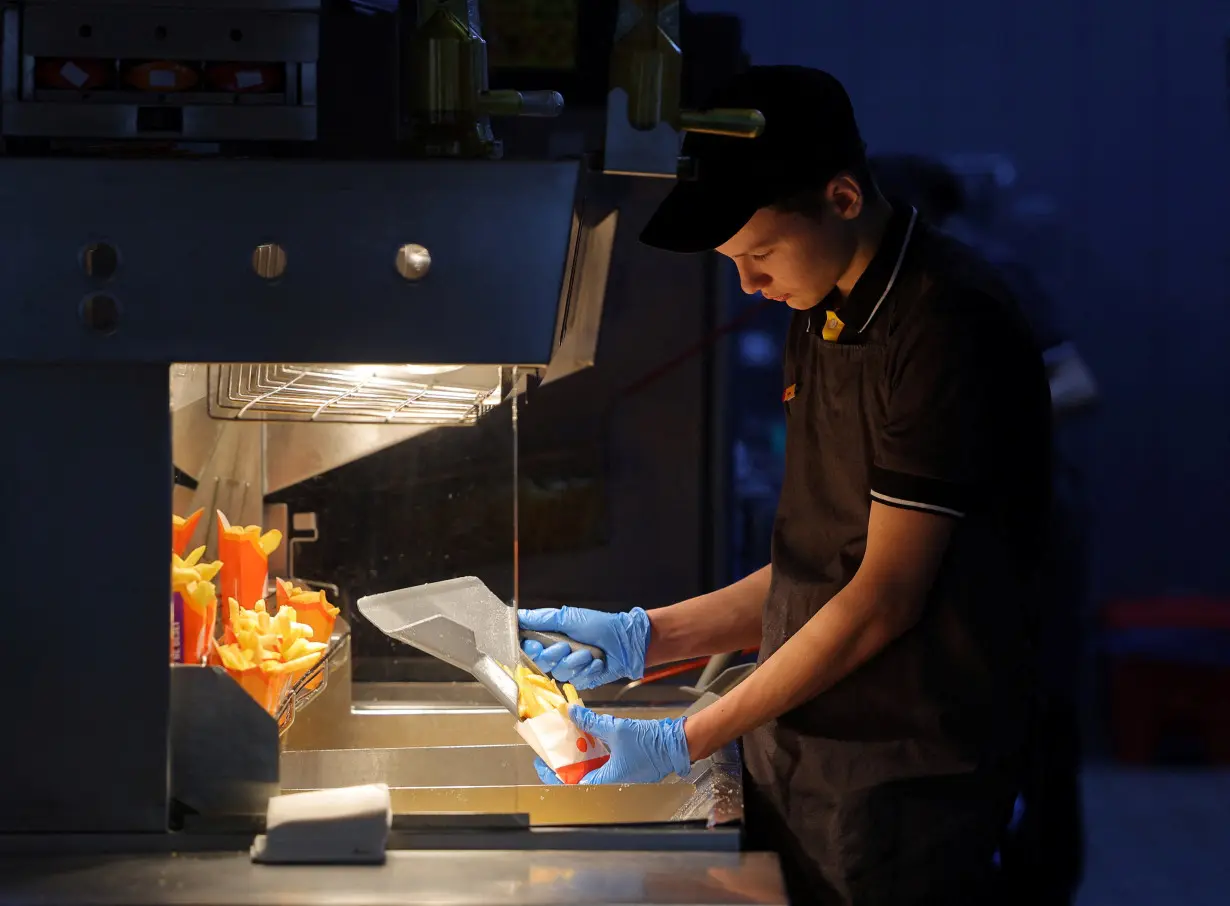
801 303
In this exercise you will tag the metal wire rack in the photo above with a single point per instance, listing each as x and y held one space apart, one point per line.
314 682
380 394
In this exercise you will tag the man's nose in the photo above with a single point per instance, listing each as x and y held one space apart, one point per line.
752 280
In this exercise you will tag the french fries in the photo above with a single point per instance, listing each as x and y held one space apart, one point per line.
538 695
187 570
194 606
548 728
268 651
276 643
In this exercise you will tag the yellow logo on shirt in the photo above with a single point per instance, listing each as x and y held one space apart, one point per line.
833 327
789 394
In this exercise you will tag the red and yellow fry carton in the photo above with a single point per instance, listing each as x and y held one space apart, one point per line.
182 528
267 684
312 607
194 607
570 753
550 732
269 653
244 552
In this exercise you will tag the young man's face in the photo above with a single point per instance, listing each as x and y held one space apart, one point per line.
795 258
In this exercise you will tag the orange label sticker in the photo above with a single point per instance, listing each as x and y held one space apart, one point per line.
789 394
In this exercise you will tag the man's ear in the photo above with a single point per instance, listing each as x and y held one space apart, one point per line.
845 196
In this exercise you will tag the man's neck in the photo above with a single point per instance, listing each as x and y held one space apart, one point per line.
869 232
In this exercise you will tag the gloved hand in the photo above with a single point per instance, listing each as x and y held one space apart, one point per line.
642 751
623 636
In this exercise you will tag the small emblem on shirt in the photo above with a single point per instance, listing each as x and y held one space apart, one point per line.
789 394
832 327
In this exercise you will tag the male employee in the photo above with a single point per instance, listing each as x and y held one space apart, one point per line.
883 726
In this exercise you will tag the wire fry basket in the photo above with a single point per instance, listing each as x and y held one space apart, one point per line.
314 682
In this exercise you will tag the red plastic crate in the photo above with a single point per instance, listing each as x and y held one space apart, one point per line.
1151 696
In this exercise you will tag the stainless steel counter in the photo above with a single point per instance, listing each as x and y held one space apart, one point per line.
442 752
407 879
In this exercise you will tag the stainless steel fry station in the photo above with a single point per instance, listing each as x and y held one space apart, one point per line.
244 243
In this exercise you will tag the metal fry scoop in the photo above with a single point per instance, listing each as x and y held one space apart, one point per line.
483 637
461 622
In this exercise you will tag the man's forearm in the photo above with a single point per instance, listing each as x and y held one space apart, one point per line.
724 620
844 634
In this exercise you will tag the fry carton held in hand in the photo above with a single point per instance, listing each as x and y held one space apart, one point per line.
570 753
546 726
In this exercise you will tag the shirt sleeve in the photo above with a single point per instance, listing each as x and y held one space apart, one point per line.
943 378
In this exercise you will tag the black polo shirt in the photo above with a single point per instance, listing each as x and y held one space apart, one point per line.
925 390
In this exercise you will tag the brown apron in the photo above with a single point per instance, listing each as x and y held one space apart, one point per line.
877 791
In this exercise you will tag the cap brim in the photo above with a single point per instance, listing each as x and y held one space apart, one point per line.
696 218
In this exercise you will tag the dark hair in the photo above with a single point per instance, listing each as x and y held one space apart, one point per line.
810 202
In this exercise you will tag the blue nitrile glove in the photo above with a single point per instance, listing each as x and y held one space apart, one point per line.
623 636
642 751
545 774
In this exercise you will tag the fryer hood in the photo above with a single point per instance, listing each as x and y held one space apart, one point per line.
301 261
252 264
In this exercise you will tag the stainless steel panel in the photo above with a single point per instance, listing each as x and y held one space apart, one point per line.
638 152
205 122
297 451
403 715
453 766
500 779
170 33
407 879
86 488
188 292
223 746
580 315
460 759
552 806
483 780
402 725
231 480
219 5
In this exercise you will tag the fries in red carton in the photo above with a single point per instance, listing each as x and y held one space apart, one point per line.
313 609
270 653
194 607
244 553
181 531
546 726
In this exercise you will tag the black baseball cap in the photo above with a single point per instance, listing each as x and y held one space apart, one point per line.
809 136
